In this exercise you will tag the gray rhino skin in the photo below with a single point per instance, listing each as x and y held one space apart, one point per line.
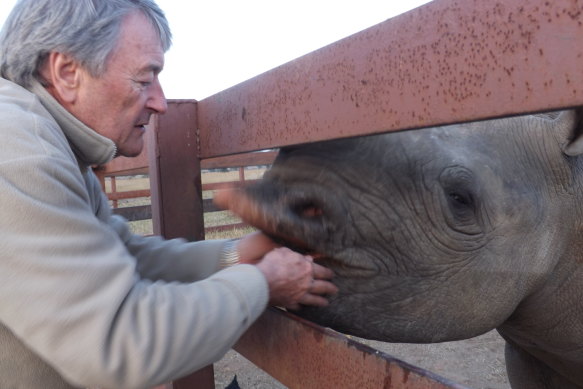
446 233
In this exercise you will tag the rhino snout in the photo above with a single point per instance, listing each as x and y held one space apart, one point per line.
300 218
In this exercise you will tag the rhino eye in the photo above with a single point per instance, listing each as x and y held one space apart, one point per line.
461 205
458 187
462 199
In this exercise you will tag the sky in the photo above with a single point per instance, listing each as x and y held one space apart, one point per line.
220 43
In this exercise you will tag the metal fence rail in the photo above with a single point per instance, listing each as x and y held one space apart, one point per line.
301 354
448 61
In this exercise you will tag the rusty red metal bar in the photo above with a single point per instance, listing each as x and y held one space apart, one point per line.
129 194
301 354
249 159
175 178
448 61
177 205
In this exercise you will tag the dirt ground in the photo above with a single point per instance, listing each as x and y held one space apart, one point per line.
477 363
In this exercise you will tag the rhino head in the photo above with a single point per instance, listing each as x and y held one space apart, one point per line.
436 234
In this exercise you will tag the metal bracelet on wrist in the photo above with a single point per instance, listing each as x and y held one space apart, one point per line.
229 255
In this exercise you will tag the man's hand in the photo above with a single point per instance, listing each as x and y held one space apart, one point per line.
295 279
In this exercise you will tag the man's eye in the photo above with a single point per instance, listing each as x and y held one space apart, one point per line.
143 83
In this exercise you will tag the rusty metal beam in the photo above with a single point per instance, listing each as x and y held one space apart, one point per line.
175 184
448 61
175 177
301 354
249 159
129 194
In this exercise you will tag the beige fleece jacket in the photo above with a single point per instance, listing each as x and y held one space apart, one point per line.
83 302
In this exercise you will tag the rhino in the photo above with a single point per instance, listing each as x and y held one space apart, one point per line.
443 234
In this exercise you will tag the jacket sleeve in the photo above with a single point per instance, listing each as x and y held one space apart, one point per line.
170 260
70 288
158 258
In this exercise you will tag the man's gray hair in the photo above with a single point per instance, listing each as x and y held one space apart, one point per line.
88 30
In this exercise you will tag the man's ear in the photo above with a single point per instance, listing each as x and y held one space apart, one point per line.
63 75
571 123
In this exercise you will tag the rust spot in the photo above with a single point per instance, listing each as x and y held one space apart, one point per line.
318 336
405 376
388 381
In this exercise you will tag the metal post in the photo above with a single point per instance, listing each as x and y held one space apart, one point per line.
177 208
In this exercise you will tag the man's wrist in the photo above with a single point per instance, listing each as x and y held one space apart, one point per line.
229 254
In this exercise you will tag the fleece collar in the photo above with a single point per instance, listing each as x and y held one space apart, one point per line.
89 147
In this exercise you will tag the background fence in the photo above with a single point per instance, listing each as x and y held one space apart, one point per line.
127 185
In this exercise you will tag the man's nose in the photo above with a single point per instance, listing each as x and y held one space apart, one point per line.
157 100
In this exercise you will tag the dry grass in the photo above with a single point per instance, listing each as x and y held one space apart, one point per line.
214 177
229 234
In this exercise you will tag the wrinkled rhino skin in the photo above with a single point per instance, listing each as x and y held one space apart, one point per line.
444 234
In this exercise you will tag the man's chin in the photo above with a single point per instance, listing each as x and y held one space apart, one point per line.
129 152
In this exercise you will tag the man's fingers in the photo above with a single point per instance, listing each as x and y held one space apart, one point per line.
321 272
323 288
315 295
313 300
299 282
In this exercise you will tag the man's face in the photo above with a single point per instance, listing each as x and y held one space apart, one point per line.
119 103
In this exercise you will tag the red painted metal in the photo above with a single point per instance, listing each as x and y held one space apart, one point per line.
249 159
175 177
202 379
301 354
448 61
129 194
177 209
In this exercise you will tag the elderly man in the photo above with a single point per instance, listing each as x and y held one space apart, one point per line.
83 301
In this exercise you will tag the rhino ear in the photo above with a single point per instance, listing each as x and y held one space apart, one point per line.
570 123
